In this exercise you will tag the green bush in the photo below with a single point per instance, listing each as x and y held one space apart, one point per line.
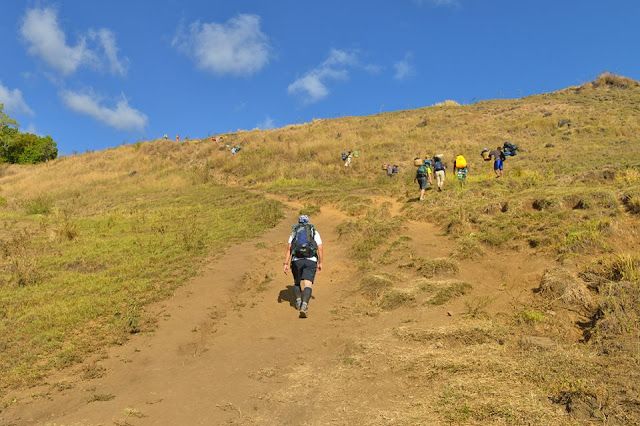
26 148
23 148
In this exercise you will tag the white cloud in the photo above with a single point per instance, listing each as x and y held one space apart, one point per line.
237 47
107 40
46 40
313 85
266 124
404 68
13 101
121 117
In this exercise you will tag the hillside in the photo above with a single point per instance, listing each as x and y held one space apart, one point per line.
511 301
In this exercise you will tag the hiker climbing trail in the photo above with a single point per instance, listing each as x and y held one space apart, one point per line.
230 348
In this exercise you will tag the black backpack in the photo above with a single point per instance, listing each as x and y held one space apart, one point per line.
344 156
438 166
304 244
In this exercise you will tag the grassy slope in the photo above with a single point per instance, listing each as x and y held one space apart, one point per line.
87 243
584 180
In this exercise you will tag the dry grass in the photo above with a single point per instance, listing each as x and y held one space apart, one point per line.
559 285
560 196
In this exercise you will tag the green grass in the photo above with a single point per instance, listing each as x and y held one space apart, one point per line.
71 289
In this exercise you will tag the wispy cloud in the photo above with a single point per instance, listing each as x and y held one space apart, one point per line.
404 68
266 124
47 40
236 47
13 101
121 116
312 86
107 40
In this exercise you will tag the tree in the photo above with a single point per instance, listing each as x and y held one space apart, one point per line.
5 120
23 148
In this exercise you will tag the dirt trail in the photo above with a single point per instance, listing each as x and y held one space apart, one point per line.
230 348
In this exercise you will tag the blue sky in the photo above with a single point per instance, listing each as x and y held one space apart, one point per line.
95 74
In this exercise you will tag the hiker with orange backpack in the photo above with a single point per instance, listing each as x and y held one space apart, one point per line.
460 168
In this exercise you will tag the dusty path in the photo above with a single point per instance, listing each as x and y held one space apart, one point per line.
230 348
228 336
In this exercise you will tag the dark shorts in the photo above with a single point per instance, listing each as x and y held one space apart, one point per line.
422 181
303 269
498 165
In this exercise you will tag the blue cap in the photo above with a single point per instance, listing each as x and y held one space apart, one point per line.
303 219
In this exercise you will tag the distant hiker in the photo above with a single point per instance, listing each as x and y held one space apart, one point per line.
165 137
498 161
348 160
389 170
304 256
396 169
177 138
509 149
460 169
422 177
439 169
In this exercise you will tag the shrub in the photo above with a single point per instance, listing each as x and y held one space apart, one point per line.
40 205
608 79
25 148
530 316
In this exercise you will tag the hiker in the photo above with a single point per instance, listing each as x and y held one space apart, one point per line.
348 160
439 169
389 170
460 169
498 161
396 169
304 256
422 177
509 149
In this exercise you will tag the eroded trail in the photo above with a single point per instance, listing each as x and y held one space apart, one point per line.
230 348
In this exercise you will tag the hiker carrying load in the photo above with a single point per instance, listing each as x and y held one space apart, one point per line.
460 169
498 161
509 149
304 256
348 159
423 177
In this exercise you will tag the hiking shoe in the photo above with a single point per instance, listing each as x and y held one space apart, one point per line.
303 310
298 304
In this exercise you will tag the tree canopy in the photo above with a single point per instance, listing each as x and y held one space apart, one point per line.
23 148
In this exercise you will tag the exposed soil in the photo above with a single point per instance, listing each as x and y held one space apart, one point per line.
230 348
